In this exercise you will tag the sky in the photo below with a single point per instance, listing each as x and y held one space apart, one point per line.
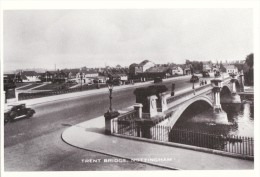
107 37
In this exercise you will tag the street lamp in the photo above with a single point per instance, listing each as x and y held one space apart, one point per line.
110 114
193 87
173 88
110 87
81 77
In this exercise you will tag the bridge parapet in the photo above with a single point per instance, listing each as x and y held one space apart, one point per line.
176 97
189 94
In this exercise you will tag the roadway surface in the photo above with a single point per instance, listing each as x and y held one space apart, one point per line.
35 144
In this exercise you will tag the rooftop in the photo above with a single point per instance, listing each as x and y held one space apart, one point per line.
230 67
157 69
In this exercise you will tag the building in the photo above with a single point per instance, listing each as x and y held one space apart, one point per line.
101 79
186 70
207 67
145 65
90 73
47 76
135 69
176 70
60 77
121 77
157 71
29 76
231 69
86 76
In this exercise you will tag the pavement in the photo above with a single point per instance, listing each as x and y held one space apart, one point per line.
89 135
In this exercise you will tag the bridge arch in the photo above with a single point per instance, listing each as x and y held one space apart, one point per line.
225 91
203 100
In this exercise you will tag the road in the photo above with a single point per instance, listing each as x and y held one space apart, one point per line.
35 144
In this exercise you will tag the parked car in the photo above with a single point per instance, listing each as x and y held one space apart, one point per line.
194 78
17 112
158 80
205 74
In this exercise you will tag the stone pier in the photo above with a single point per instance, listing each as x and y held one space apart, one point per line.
219 115
235 98
242 81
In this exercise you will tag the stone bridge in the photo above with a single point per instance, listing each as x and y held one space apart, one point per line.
213 94
161 108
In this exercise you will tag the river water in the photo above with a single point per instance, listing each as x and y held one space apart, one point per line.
240 118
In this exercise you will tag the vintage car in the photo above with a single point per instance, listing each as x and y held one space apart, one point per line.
158 80
194 78
205 74
17 112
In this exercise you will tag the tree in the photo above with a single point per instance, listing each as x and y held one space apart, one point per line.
250 60
249 69
239 66
222 68
188 62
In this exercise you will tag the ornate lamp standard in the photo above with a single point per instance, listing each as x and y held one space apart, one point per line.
110 87
110 114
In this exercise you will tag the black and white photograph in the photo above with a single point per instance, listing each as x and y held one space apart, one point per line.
128 89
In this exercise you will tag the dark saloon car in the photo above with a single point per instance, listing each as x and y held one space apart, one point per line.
158 80
17 112
194 78
205 74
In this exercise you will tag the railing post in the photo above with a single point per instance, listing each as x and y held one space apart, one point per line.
138 107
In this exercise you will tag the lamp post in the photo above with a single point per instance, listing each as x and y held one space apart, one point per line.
193 87
110 114
173 89
81 77
46 76
110 88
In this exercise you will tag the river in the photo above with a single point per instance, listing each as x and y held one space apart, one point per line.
240 118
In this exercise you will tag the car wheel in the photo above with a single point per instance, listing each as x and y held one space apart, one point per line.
29 114
6 120
13 115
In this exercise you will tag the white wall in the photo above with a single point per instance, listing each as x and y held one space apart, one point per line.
148 65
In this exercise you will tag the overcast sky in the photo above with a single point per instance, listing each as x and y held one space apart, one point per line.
95 38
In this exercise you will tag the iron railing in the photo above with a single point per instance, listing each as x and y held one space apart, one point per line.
128 116
229 143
